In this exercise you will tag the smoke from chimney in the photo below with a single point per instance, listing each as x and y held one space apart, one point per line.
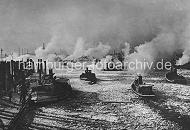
154 29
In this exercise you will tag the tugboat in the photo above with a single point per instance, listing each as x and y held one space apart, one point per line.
174 77
89 76
142 89
51 88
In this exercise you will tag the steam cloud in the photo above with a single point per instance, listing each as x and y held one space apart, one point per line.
154 28
98 52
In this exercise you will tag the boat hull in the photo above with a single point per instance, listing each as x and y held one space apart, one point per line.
144 90
89 77
173 78
59 89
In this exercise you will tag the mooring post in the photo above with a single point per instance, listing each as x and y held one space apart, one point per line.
40 76
41 65
45 68
1 54
38 66
7 76
1 79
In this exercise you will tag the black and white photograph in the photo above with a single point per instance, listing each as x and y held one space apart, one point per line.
94 65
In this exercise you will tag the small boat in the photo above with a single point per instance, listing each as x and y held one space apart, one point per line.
142 89
175 78
51 89
88 76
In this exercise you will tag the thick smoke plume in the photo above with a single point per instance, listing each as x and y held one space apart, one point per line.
185 46
126 51
97 52
154 29
78 50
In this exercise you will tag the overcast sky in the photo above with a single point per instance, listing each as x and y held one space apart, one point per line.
29 23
